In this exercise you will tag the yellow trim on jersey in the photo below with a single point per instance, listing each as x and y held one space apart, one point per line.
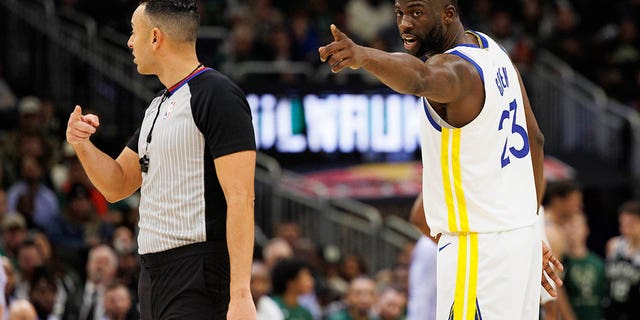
457 181
465 294
473 276
477 37
457 217
459 297
448 195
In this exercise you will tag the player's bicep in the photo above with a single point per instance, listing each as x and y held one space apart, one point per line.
443 78
130 165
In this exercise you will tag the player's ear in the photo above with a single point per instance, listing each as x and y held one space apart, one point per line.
450 13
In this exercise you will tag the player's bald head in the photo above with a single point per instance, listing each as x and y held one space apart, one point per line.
179 19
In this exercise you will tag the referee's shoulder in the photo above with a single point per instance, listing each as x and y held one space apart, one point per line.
216 78
217 82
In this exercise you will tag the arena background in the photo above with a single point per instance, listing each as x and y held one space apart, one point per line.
339 156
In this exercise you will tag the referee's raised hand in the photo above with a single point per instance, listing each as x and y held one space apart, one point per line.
81 127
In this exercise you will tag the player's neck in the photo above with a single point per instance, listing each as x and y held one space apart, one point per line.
460 36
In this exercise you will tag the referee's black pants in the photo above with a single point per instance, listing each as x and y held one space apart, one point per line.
189 282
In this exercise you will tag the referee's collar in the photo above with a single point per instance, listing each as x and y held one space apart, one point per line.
184 81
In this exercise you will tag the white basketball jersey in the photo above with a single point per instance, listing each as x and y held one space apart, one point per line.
479 178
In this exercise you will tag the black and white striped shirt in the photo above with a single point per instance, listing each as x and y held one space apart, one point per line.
203 117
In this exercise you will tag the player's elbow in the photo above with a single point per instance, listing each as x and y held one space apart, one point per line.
537 139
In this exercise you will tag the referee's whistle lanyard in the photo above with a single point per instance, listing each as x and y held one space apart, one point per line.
144 161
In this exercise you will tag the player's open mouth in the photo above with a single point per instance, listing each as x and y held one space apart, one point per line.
409 41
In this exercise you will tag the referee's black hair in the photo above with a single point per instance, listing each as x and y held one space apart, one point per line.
285 271
178 18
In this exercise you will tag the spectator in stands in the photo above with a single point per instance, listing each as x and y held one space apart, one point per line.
292 278
22 309
422 294
305 37
36 196
30 137
276 249
623 265
622 58
331 269
126 248
359 300
562 199
29 260
266 308
585 281
80 227
88 303
70 172
118 304
353 266
10 286
367 18
14 233
391 304
31 266
43 293
565 40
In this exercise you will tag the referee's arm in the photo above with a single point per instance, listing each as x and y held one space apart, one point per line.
115 179
236 173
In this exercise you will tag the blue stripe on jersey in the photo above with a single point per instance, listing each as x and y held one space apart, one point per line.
470 45
431 120
478 313
463 56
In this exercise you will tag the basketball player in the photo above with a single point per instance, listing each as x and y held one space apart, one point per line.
482 158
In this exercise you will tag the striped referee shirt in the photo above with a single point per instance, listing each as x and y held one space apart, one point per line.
202 117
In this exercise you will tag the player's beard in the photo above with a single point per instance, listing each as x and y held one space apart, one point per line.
433 43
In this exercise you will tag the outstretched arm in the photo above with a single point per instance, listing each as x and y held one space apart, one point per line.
443 78
115 179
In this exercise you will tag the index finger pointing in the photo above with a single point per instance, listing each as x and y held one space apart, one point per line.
337 34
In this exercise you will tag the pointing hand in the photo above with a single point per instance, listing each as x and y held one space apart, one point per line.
81 127
342 52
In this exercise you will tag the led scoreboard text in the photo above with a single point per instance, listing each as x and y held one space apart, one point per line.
337 122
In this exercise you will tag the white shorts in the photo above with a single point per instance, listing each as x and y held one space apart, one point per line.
489 275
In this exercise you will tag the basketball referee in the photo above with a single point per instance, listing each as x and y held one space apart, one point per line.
193 159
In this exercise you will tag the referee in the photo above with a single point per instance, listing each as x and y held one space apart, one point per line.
193 159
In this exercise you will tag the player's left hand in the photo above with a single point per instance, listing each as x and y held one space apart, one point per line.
241 307
342 52
549 261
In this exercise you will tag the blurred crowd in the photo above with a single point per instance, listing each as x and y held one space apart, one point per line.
597 38
72 255
68 254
